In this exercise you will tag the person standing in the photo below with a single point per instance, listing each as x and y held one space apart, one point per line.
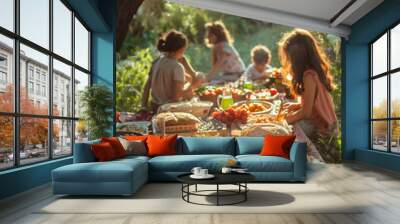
314 118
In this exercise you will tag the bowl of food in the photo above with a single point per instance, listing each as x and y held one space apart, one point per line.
254 106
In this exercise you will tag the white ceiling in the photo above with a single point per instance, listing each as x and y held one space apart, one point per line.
321 9
318 15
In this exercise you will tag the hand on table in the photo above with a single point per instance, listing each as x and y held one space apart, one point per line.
290 107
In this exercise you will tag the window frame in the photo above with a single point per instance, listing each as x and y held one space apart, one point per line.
16 114
388 74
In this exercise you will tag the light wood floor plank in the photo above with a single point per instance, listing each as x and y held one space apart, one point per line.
377 190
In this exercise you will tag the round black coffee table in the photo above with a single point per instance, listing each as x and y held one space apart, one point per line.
238 179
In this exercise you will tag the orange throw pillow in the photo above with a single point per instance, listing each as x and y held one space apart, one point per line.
103 152
277 145
116 145
161 145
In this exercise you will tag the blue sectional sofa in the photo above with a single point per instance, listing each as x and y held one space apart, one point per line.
125 176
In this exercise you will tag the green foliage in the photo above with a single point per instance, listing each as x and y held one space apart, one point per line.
97 103
132 74
158 16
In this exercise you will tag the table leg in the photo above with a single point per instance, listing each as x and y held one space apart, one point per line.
245 193
217 194
188 190
195 188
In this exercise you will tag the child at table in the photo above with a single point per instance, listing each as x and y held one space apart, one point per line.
166 81
225 59
314 118
258 70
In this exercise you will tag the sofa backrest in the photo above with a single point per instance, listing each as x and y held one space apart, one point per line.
249 145
206 145
83 152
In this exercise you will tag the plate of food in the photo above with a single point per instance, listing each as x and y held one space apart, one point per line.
254 106
197 108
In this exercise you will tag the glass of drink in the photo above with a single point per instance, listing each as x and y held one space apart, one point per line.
225 101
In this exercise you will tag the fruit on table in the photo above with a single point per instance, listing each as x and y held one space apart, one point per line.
231 115
273 91
213 91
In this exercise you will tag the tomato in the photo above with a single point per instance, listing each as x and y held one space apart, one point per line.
273 91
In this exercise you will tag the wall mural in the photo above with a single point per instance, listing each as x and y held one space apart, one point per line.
193 72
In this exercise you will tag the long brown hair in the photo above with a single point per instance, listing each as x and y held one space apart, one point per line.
220 31
300 51
172 41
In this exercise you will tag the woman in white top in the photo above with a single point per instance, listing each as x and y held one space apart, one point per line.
225 58
166 82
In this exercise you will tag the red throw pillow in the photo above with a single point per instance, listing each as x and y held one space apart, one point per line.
103 152
116 145
161 145
277 145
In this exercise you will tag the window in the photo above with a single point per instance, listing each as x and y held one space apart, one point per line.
62 29
44 91
38 89
46 74
3 78
6 73
7 14
62 74
44 77
385 96
37 75
35 21
30 73
30 87
81 45
3 72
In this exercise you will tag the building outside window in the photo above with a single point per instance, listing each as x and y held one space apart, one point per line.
59 125
3 72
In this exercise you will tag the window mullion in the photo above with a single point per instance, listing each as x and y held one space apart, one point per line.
73 82
50 81
16 85
389 104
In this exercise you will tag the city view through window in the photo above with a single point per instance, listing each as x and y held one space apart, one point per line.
39 113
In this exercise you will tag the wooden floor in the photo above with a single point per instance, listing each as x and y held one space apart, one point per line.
377 188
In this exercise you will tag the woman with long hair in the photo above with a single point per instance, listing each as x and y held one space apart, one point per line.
314 117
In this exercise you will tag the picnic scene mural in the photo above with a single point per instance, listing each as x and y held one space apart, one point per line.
193 72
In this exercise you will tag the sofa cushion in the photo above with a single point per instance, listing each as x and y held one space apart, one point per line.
103 152
116 145
209 145
112 171
83 153
161 145
257 163
249 145
185 163
277 145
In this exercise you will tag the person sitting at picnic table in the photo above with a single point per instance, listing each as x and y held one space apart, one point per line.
258 69
225 59
167 80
